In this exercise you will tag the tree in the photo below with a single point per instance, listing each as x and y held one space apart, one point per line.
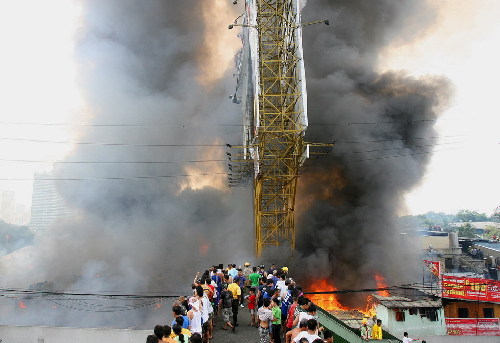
467 230
492 231
470 216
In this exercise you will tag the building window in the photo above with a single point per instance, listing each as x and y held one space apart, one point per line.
488 312
400 315
413 311
463 312
432 315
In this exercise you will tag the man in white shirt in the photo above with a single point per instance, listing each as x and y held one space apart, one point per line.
310 334
407 339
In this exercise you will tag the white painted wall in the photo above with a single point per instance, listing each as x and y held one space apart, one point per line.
415 325
42 334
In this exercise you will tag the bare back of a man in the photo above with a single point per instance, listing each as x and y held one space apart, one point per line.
292 334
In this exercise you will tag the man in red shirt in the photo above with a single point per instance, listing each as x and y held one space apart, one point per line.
290 317
252 300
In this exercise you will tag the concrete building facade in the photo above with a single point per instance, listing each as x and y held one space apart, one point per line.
47 205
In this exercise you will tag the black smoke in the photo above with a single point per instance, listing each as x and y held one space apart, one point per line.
383 127
140 227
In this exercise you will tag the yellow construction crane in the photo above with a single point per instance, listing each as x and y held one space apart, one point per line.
271 87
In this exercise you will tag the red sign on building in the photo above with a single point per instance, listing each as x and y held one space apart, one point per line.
473 326
471 289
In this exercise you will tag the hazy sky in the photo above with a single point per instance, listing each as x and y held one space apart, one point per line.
39 85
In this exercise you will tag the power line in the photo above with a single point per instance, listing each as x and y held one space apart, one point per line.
397 148
109 162
110 144
218 125
204 145
114 178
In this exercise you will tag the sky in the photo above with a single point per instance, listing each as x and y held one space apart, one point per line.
39 87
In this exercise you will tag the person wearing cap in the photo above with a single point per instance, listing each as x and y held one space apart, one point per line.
365 330
247 270
236 291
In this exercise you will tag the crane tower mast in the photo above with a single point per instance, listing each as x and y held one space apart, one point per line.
273 91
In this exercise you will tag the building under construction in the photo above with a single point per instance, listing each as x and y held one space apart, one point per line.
272 91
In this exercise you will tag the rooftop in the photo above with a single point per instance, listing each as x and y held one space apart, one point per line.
402 302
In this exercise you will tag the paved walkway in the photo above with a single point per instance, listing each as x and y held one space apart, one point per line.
243 333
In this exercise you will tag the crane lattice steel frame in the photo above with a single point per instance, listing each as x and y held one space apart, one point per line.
280 135
276 117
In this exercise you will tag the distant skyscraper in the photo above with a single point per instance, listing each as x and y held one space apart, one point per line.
7 206
46 205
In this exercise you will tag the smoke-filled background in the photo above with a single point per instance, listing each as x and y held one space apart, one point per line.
156 78
383 128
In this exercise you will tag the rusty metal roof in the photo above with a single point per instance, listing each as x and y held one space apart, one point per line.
401 302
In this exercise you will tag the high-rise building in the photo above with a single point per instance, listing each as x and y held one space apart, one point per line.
7 206
47 205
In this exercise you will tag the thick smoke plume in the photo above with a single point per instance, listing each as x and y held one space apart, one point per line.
383 126
140 227
157 69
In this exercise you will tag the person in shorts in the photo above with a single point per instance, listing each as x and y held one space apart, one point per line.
251 302
226 305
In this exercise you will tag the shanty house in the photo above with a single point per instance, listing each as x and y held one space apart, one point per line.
421 316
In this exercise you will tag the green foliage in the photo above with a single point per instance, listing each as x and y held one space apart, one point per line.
467 230
471 216
13 237
492 231
429 221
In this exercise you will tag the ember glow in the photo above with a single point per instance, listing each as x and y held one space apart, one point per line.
330 302
381 284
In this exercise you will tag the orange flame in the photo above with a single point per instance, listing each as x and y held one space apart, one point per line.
22 304
379 279
328 302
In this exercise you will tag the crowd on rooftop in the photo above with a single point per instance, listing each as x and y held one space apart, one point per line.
277 306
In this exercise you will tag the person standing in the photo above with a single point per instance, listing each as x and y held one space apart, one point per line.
254 278
236 291
365 330
276 323
377 330
252 301
177 312
265 316
247 270
226 305
241 281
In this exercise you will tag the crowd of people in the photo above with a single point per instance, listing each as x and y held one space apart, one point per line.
276 304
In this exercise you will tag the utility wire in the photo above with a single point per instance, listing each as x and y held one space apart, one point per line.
113 178
112 144
109 162
221 125
203 145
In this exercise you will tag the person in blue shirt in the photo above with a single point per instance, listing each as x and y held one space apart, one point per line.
177 312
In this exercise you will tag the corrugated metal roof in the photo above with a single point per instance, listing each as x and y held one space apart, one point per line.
401 302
